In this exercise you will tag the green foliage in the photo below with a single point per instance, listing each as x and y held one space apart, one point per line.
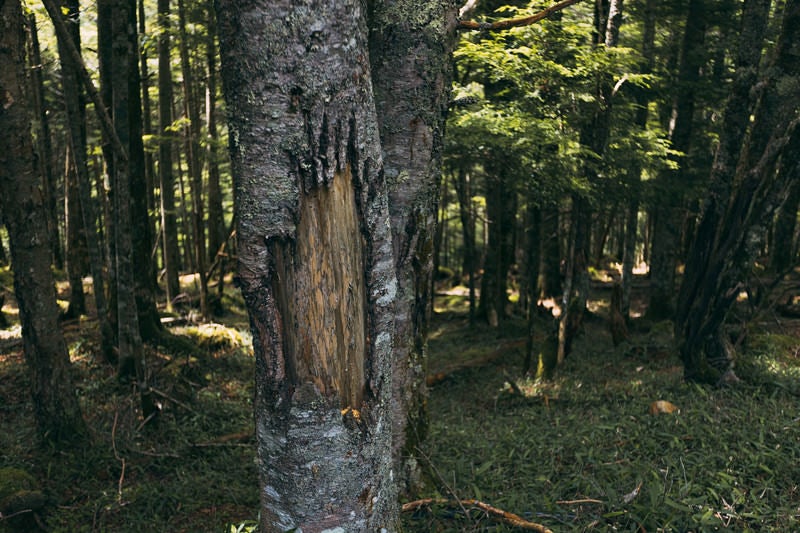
537 88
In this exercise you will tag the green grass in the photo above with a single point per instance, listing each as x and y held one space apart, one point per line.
579 452
582 452
194 470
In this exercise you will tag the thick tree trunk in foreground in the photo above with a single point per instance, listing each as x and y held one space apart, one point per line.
315 259
55 406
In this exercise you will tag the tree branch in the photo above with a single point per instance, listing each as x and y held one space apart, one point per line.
509 518
62 33
514 23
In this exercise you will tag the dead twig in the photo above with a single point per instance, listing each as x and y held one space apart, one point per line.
575 502
116 455
504 516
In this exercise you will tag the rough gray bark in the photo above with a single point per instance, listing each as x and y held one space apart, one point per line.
410 47
315 259
56 407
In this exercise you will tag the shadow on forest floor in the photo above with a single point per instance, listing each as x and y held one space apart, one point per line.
577 453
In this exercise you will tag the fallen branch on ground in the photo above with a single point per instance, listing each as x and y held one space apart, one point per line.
506 517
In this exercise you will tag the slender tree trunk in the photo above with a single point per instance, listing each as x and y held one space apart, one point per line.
550 269
147 126
532 262
745 190
83 210
634 174
169 224
217 234
56 407
315 260
141 230
124 63
76 240
195 165
44 161
501 210
464 191
670 184
76 167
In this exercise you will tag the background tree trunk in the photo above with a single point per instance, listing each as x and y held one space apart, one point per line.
669 209
44 142
195 166
742 197
411 76
169 224
56 407
315 259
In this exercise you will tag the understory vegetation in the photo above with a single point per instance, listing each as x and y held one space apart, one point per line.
580 452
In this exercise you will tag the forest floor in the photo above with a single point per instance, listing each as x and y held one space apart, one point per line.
578 452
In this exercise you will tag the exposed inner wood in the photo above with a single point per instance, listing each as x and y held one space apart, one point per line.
325 307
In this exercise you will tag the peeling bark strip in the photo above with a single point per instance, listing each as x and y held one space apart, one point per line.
315 259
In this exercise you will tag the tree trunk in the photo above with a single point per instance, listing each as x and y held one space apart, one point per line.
217 232
56 407
550 269
670 184
464 191
501 210
141 230
169 224
315 260
727 233
82 186
634 174
44 161
411 76
147 126
76 241
195 165
124 66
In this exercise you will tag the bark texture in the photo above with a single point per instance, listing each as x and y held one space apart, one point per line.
315 259
411 44
55 406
